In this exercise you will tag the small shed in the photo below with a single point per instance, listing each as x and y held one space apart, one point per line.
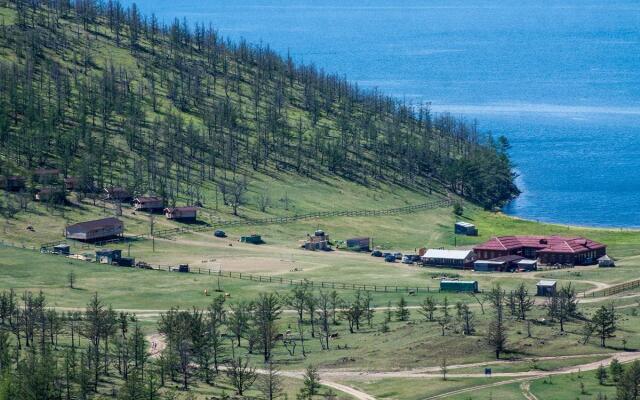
71 183
99 229
359 244
546 288
458 286
318 241
606 262
46 175
252 239
62 249
108 256
181 213
51 195
148 203
462 259
465 228
526 265
126 262
488 265
116 193
12 183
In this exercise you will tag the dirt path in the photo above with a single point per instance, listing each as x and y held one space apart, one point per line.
526 391
157 344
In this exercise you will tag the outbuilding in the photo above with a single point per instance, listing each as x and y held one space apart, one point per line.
359 244
70 183
187 214
99 229
526 265
252 239
606 262
46 175
459 286
546 288
461 259
62 249
465 228
488 265
148 203
108 256
115 193
318 241
51 195
12 183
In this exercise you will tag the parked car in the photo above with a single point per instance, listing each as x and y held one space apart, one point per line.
390 258
376 253
398 256
407 260
219 234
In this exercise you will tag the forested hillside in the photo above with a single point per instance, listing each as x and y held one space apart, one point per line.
115 98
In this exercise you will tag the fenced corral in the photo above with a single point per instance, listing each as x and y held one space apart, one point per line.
302 217
267 279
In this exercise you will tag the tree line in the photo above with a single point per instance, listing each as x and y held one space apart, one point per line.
173 107
48 354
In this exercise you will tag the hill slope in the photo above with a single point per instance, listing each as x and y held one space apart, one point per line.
112 97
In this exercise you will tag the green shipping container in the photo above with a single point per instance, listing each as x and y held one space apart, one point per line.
459 286
253 239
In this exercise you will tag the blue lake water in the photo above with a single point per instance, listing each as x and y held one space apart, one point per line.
561 79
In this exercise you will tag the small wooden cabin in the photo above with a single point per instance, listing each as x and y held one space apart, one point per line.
51 195
117 194
148 203
12 183
46 175
70 183
108 256
181 213
99 229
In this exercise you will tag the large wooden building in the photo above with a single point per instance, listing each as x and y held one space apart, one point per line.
546 249
100 229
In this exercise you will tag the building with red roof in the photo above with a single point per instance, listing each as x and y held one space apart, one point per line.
547 249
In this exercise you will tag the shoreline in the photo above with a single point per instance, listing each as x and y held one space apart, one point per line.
570 226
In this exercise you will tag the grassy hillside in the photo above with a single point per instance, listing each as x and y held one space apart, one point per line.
113 98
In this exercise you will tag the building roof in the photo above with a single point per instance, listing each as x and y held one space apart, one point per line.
465 224
544 244
93 225
46 171
546 283
527 262
463 282
180 209
449 254
507 259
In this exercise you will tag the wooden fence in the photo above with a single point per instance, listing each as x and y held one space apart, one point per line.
302 217
266 279
615 289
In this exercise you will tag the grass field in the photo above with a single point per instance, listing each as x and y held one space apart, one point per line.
408 345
